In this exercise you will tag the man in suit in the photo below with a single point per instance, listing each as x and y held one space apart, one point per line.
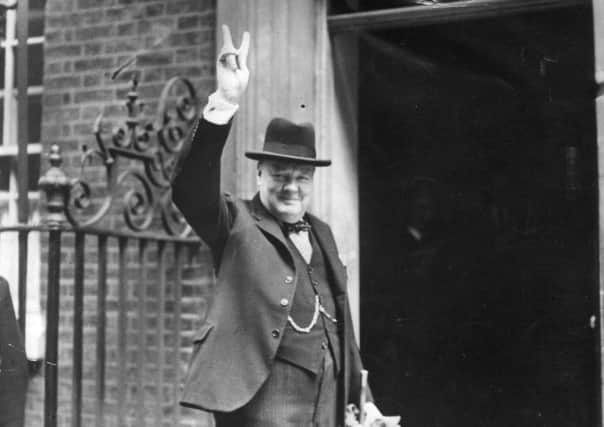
277 347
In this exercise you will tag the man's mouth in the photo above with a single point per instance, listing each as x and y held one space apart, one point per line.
289 200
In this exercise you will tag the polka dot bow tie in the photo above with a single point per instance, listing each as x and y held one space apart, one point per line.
296 227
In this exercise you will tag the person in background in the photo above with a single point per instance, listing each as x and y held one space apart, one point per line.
13 363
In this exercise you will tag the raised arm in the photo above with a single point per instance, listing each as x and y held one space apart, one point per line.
196 183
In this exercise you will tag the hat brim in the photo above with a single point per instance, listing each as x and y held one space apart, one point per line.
267 155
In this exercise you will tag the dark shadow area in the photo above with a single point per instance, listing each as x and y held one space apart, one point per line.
13 363
478 195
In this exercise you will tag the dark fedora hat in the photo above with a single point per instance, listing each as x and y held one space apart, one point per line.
285 140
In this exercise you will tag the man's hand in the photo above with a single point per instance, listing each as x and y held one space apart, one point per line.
231 67
372 417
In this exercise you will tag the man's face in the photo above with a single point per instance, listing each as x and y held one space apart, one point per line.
285 188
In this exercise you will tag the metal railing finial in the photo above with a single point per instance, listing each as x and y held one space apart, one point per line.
56 186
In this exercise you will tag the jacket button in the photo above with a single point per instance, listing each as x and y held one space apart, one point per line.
284 302
288 279
324 345
275 333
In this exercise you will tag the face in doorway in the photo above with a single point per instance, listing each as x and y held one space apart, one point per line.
285 188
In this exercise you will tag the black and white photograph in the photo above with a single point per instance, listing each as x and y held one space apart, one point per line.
301 213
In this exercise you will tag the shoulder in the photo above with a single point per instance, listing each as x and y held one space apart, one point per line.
315 221
241 210
319 226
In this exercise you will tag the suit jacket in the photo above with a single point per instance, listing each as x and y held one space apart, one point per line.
13 363
235 348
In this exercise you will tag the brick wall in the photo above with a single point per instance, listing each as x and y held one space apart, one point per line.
85 41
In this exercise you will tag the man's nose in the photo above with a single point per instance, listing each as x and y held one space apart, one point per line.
290 185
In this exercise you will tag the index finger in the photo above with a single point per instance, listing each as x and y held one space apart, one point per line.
226 38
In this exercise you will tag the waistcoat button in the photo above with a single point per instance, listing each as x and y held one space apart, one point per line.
288 279
284 302
275 333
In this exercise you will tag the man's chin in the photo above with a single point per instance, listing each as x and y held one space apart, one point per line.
289 215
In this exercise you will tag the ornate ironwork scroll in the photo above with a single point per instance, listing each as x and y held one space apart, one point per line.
138 186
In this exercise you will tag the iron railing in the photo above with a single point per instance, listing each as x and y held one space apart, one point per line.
135 162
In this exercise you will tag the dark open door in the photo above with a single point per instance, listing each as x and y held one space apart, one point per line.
478 225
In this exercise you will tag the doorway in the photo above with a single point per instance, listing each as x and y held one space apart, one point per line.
478 221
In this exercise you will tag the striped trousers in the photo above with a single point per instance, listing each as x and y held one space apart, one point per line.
290 397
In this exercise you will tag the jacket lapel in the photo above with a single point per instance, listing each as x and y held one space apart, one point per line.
269 225
324 237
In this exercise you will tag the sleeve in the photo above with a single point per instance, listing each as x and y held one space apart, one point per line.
196 185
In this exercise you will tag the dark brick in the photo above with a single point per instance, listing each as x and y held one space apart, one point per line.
90 17
153 75
184 6
95 63
188 38
58 20
128 29
154 58
94 95
54 36
114 111
87 4
185 71
159 28
93 80
123 45
62 51
52 68
52 100
59 6
51 131
156 9
119 14
61 115
65 82
90 112
94 33
190 54
188 22
93 49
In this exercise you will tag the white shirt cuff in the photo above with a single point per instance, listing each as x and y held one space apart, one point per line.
218 110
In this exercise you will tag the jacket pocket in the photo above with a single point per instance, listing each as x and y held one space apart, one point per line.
202 333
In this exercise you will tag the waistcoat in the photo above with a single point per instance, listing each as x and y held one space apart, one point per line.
306 349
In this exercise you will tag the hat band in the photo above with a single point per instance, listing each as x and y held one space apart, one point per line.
289 149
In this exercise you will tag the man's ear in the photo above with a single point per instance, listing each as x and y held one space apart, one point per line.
258 172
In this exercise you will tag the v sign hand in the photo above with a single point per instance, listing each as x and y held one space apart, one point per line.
231 67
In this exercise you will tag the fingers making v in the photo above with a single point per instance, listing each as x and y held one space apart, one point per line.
235 59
